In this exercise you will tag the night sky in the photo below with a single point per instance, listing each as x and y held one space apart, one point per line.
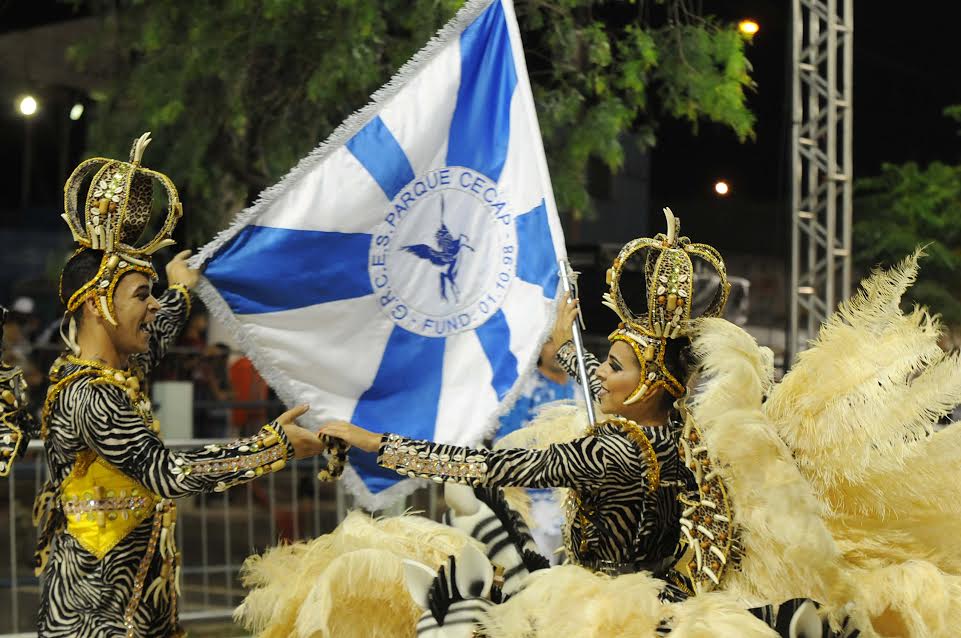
906 72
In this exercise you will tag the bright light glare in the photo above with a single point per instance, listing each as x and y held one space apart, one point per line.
28 105
748 27
721 188
76 112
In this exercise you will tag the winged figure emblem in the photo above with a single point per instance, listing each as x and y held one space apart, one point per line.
446 256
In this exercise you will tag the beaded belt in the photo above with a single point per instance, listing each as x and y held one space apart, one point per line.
101 505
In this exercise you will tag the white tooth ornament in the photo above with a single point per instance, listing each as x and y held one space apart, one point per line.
697 547
160 244
139 262
163 543
711 575
105 310
720 555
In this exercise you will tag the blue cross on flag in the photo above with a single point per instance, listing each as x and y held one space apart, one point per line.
403 275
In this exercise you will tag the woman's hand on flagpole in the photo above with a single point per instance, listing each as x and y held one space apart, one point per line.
353 435
304 442
567 310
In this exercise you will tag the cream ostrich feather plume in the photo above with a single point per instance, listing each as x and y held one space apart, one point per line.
858 410
787 551
715 614
347 583
859 401
557 422
573 602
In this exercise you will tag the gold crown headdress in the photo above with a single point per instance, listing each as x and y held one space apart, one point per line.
115 214
669 278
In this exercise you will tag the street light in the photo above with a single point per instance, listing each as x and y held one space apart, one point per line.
76 112
748 27
27 105
722 188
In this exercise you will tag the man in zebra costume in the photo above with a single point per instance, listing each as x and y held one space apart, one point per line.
106 553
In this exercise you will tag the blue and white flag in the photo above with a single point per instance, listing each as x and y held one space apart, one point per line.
403 275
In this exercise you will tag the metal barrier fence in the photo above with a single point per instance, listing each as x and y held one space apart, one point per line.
215 532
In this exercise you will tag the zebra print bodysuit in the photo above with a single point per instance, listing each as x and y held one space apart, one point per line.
96 422
625 479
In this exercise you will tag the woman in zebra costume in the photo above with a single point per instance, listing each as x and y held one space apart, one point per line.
625 476
106 554
828 485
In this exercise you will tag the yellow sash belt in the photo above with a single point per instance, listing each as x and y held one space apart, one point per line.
103 505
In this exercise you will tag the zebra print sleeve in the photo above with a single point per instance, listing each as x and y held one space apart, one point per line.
567 357
583 463
166 327
117 431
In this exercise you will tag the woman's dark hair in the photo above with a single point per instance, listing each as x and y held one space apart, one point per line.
80 269
678 358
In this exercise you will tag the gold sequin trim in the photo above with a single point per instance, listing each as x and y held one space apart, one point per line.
237 464
166 512
54 391
636 434
404 458
185 292
708 528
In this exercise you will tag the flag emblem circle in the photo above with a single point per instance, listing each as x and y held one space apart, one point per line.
444 256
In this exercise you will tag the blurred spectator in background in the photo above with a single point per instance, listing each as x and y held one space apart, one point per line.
547 383
247 386
22 327
195 332
211 387
206 366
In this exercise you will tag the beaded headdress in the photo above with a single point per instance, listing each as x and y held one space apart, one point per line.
115 214
669 279
15 419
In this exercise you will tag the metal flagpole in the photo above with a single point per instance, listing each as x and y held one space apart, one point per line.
566 275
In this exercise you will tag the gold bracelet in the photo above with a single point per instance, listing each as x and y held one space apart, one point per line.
183 290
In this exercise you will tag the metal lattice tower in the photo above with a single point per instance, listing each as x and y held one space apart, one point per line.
821 163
